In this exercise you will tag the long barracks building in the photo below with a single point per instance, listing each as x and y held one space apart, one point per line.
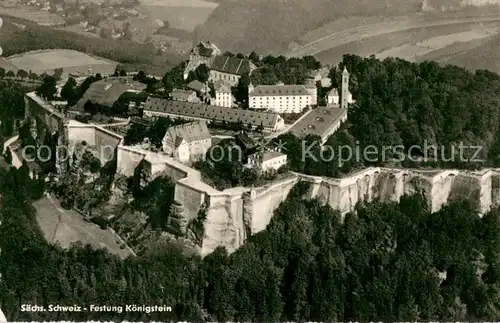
197 111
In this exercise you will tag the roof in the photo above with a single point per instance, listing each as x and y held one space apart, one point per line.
220 86
106 92
333 92
245 140
268 155
189 132
279 90
232 65
211 112
140 121
318 122
181 95
197 86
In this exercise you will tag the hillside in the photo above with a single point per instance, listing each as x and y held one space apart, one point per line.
268 26
19 36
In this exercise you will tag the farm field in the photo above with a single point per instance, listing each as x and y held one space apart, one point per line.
413 52
68 226
406 39
180 14
42 18
69 60
395 26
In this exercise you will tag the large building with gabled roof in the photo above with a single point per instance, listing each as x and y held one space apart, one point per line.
187 142
270 121
281 98
230 69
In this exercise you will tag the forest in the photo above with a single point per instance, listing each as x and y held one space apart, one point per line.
399 103
390 261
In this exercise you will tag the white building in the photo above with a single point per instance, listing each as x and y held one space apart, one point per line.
187 142
333 96
223 95
268 160
281 98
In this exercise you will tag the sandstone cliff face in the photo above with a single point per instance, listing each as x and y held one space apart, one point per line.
232 218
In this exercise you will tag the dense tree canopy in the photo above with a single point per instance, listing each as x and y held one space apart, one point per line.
391 261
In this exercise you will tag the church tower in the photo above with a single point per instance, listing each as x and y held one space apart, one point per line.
345 89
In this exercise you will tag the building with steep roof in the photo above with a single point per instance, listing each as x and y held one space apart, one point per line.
230 69
184 95
203 53
270 121
106 91
187 142
198 87
281 98
223 95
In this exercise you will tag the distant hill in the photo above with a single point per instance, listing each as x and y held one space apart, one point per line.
268 26
16 40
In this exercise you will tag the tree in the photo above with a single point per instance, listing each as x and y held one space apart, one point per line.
58 73
2 72
10 74
228 54
69 91
202 73
48 88
123 72
8 156
241 94
22 74
254 57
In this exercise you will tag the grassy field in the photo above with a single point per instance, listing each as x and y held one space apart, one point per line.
67 226
180 14
42 18
70 60
377 44
415 51
473 55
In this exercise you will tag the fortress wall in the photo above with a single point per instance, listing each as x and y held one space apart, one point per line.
77 134
268 199
224 225
174 172
106 142
190 198
495 188
127 160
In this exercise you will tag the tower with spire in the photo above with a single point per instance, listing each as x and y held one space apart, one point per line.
345 89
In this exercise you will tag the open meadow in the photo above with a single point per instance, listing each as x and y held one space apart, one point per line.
404 43
414 51
180 14
42 18
69 60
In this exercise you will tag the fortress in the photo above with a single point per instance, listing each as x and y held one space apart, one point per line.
234 214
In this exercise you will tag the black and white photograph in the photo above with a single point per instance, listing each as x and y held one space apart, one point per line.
249 160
